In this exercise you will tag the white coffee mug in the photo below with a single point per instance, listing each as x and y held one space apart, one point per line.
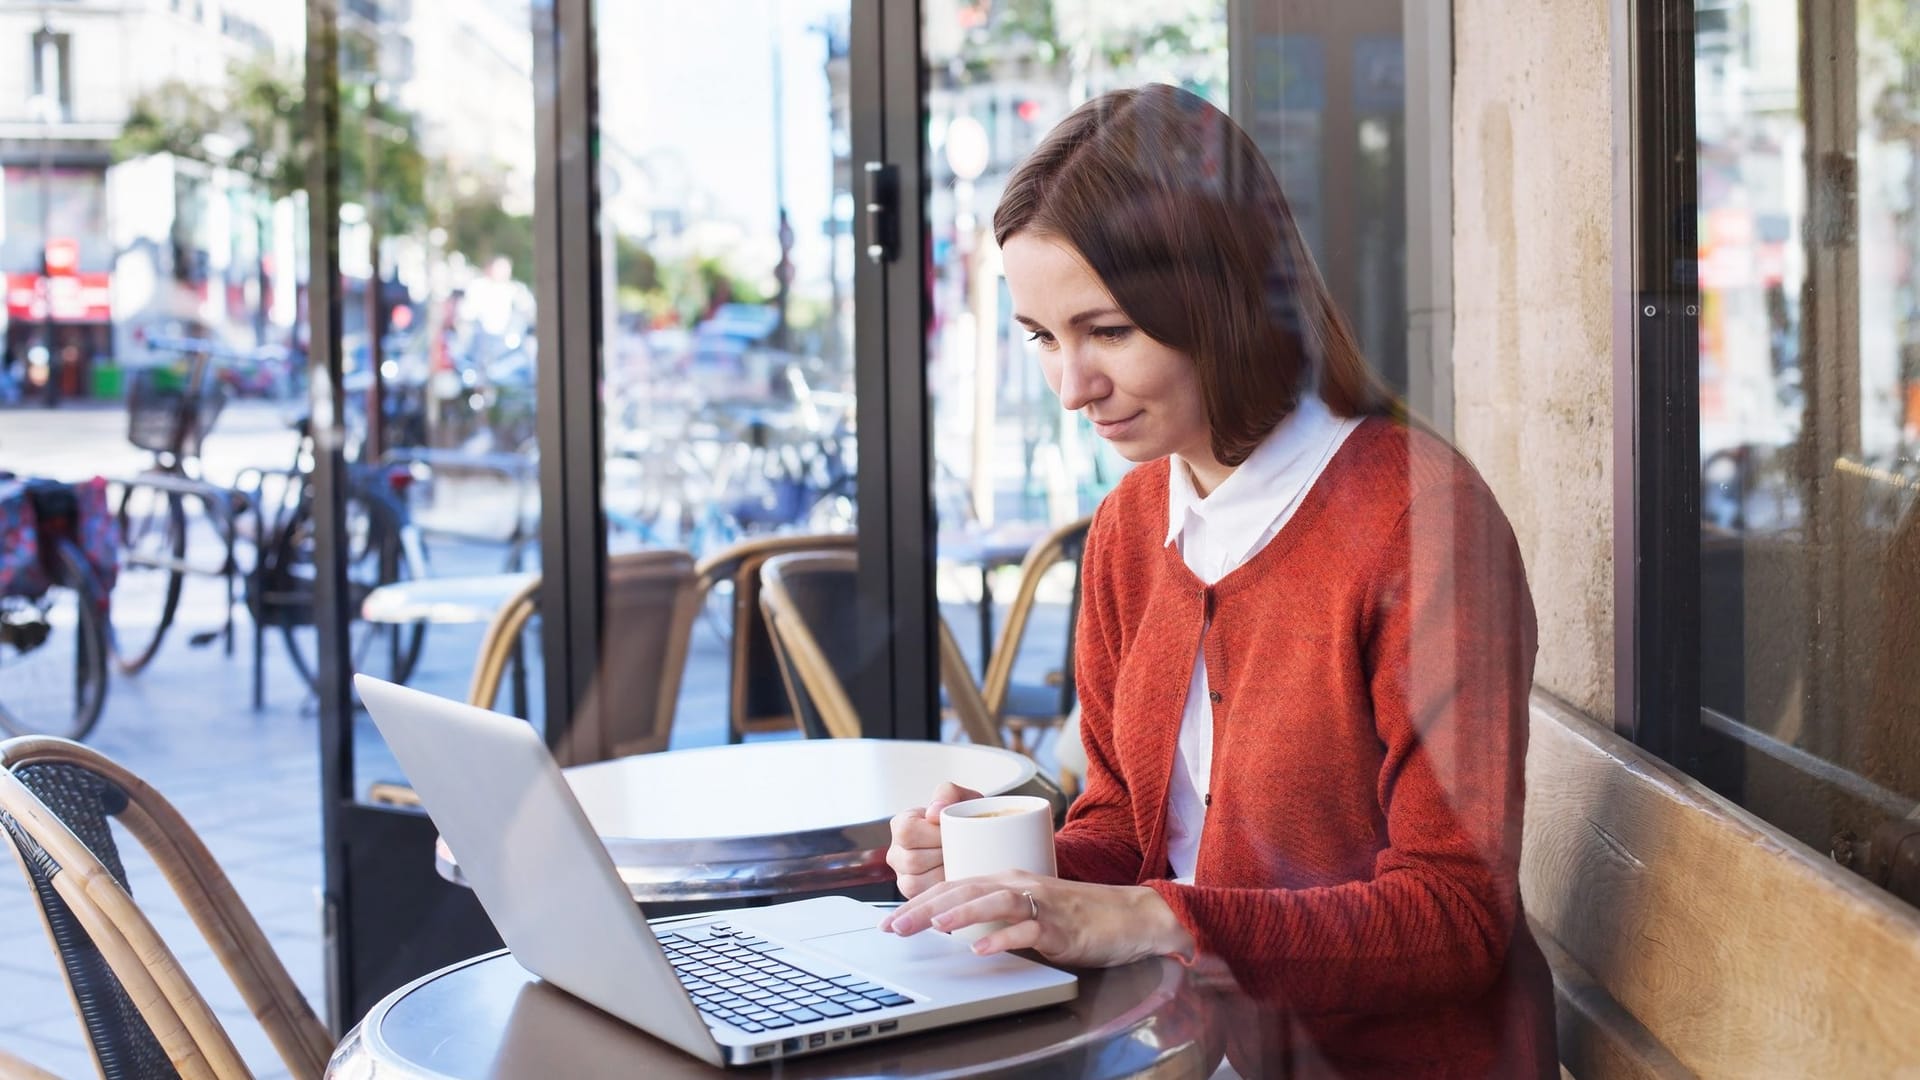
992 836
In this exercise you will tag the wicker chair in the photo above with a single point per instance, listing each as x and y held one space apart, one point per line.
651 599
497 644
758 702
809 605
652 651
1024 708
14 1068
142 1015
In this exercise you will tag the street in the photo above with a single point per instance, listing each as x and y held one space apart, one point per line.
247 781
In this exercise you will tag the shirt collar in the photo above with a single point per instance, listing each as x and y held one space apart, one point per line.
1240 510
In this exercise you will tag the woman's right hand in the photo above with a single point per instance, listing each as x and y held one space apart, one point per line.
915 853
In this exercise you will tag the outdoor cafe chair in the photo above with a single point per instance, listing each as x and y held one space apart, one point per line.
651 599
16 1068
809 600
809 604
1022 708
142 1014
758 702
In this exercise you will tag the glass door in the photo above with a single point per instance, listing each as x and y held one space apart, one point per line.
423 449
1808 184
1322 91
726 362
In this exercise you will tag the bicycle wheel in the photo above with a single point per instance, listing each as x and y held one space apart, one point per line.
53 656
373 559
153 550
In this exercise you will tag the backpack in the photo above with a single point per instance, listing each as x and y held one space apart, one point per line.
36 513
20 571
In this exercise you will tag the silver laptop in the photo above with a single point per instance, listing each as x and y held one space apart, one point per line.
738 988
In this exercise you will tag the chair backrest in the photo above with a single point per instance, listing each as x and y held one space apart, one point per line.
15 1068
142 1014
1064 544
969 705
497 644
651 599
811 612
758 700
650 602
810 606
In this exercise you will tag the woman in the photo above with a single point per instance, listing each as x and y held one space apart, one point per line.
1306 644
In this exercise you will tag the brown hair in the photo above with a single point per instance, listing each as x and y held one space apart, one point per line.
1176 211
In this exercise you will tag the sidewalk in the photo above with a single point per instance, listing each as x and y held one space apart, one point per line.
248 782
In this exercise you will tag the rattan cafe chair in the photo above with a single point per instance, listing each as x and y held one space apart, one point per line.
15 1068
651 600
809 604
758 702
497 644
142 1014
1023 709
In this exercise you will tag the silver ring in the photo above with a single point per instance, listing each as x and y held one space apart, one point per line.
1033 906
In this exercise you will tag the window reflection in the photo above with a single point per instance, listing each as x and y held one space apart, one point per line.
1809 225
438 341
727 366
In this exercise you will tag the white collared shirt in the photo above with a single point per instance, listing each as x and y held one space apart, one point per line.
1216 535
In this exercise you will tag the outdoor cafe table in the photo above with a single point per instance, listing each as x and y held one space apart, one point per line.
452 601
989 550
487 1017
768 818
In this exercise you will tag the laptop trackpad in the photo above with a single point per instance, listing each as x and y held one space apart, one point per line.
931 964
872 945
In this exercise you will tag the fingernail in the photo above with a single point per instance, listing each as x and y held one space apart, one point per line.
979 948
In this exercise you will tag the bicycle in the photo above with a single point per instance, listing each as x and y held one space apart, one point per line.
169 419
53 612
383 547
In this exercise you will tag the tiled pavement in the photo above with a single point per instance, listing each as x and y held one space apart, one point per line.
248 782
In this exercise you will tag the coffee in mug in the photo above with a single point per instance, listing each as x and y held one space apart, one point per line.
995 835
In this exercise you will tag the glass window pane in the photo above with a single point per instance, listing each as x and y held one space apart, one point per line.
727 367
1321 91
438 327
1809 364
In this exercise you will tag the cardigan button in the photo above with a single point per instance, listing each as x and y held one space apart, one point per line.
1215 696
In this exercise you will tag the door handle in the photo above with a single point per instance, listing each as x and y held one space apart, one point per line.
881 216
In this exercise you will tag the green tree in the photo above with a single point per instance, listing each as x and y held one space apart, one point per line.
634 265
381 166
472 213
172 118
255 124
267 106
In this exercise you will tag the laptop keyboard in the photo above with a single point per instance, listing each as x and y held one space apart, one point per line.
739 979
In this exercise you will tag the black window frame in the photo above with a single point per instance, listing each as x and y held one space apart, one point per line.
1656 385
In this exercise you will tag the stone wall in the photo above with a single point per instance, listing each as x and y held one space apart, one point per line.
1533 293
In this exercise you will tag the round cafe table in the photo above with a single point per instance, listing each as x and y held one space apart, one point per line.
487 1017
454 601
447 600
769 818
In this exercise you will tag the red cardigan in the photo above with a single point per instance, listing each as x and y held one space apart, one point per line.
1370 671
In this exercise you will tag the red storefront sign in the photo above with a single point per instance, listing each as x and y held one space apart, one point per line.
63 257
75 298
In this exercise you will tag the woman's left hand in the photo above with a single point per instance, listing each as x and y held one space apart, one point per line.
1068 922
